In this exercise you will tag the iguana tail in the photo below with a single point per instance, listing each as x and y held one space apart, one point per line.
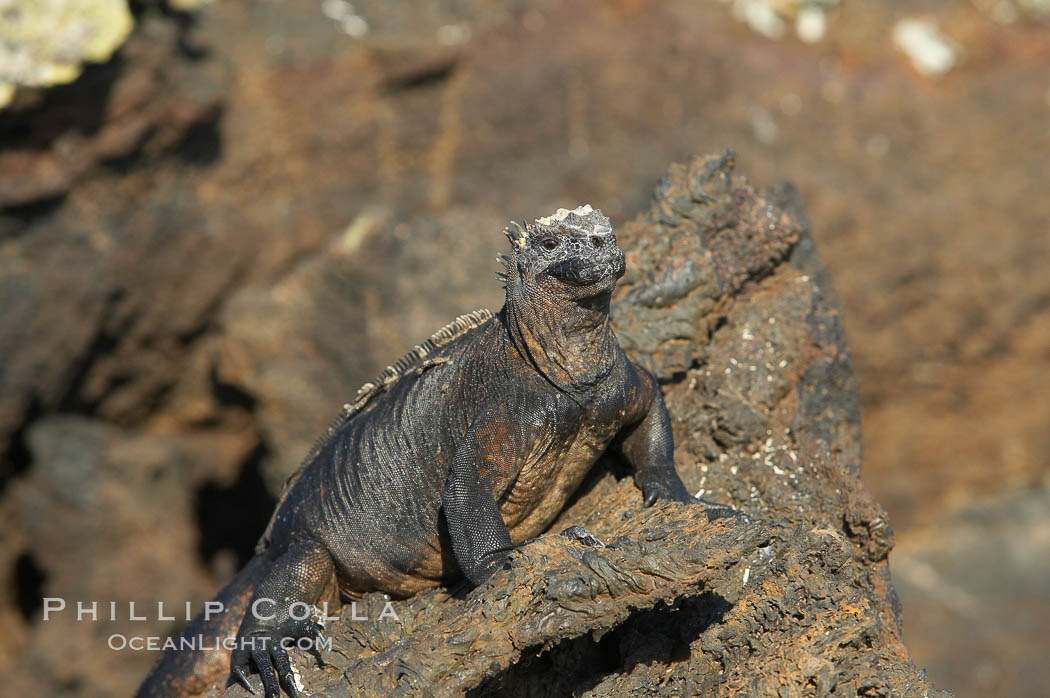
190 671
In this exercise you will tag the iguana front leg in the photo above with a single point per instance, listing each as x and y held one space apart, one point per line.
649 448
648 445
480 539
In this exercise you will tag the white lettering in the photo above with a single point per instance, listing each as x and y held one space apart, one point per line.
82 610
306 611
53 604
388 611
255 609
212 608
325 618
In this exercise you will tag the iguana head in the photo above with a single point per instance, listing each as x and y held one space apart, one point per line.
568 254
559 277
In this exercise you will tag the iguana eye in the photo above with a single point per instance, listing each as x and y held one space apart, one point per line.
549 244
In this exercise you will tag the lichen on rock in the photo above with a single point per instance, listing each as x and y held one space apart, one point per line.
46 42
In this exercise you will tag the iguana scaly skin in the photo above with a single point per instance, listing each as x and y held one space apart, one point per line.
465 448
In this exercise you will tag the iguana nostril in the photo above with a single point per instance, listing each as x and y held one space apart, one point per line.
597 241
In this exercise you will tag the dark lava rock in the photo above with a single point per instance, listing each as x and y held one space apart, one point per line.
109 517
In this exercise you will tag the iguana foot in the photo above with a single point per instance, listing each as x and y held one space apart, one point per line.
268 651
666 489
271 625
582 535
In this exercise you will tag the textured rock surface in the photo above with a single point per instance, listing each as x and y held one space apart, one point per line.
155 98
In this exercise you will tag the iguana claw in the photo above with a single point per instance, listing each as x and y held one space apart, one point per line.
271 659
238 675
670 489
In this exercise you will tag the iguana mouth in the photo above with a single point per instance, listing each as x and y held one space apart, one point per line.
583 272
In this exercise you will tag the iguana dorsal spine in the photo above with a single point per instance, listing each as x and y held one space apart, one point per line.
414 360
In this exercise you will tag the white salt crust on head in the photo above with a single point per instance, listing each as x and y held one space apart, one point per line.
563 213
587 220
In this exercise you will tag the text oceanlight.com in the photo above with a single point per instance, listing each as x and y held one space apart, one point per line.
153 643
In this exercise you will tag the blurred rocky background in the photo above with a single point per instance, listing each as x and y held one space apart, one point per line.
218 219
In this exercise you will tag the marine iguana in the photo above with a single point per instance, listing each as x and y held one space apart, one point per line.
466 447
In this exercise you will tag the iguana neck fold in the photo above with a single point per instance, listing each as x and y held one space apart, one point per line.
569 342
